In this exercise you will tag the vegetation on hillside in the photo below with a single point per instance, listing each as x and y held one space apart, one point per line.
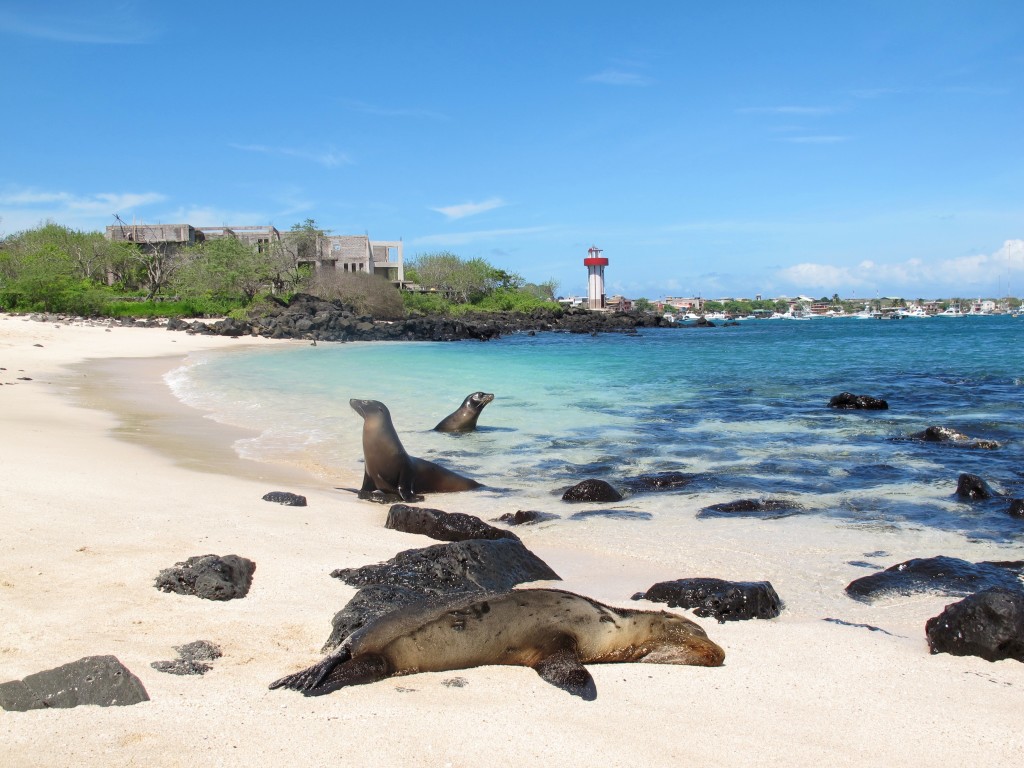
56 269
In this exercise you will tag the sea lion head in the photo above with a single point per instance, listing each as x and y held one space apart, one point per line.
369 408
675 639
478 400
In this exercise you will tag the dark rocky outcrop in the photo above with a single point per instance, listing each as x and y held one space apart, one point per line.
443 526
100 680
308 317
526 517
286 498
191 658
472 565
973 488
725 600
433 576
947 575
209 576
1016 508
767 509
848 401
946 435
989 624
592 490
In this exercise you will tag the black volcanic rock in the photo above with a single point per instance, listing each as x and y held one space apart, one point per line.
1016 508
443 526
526 517
938 434
209 576
767 509
725 600
286 498
947 575
308 317
100 680
973 488
475 564
989 624
592 490
848 401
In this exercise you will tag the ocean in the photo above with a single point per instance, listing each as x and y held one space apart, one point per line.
740 412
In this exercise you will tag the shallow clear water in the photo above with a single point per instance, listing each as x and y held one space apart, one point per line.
742 408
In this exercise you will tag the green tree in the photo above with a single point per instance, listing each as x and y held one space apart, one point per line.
225 268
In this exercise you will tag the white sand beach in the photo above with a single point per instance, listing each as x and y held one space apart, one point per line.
90 512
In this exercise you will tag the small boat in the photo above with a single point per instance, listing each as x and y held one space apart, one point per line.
953 310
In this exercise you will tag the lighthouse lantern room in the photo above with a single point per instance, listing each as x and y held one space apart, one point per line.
595 264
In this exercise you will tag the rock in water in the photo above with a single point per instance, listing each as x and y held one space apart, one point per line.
725 600
848 401
209 576
100 680
989 624
972 487
767 509
592 490
948 575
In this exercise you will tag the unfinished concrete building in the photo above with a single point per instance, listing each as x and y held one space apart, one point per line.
348 253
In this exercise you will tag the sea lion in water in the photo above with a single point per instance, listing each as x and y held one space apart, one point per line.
552 631
389 469
464 419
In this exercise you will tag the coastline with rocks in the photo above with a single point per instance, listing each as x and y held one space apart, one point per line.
90 521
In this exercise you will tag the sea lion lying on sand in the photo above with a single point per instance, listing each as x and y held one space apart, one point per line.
389 469
552 631
464 419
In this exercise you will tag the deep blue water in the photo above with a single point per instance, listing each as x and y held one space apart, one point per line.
743 409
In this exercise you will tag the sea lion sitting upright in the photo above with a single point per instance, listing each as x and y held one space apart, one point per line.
552 631
389 469
464 419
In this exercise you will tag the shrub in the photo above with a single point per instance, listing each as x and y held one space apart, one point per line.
366 294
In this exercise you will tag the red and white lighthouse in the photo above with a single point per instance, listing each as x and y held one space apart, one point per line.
595 264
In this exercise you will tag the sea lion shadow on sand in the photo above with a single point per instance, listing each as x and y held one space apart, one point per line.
389 469
552 631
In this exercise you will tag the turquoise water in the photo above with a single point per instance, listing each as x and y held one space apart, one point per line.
741 409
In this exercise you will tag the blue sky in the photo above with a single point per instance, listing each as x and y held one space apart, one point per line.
720 149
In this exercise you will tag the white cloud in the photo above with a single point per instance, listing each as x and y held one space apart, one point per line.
463 210
375 109
959 276
22 209
329 158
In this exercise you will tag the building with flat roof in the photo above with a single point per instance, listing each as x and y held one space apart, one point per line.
347 253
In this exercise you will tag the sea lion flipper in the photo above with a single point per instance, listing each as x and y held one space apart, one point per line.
563 669
368 486
311 677
368 668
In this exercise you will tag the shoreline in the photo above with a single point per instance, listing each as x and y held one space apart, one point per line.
89 519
